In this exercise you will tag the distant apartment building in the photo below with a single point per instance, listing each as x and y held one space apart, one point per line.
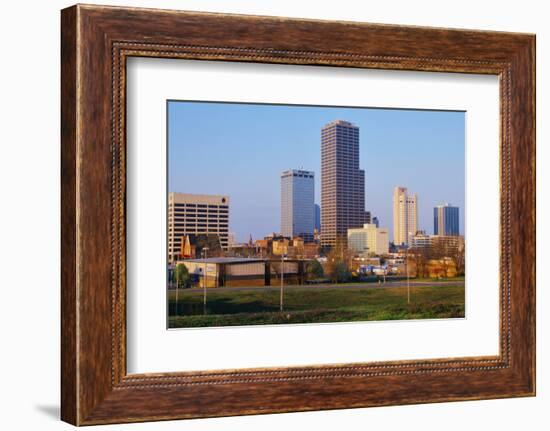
439 245
447 244
405 216
446 220
297 204
192 214
368 240
342 182
421 240
367 218
311 250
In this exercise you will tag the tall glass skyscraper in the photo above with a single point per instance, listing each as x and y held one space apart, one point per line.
446 220
297 204
342 182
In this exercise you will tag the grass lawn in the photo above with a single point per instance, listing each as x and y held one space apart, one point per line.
460 278
311 305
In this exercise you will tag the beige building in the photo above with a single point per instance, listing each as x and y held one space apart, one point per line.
226 271
447 244
405 216
441 245
368 240
280 246
191 214
421 240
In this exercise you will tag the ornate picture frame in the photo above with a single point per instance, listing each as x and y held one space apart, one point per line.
96 41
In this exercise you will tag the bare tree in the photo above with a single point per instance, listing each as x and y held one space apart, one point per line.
420 255
439 252
339 261
449 253
459 258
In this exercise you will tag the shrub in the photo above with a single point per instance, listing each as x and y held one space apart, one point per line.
341 273
181 275
314 270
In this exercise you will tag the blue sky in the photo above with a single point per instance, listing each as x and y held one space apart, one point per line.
240 150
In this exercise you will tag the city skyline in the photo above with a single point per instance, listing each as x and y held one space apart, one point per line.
242 142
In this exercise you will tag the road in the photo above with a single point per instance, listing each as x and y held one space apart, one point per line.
349 286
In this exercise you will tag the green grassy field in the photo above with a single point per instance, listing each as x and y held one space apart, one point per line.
313 305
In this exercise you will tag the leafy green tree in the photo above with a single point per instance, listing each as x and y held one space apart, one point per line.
341 273
181 276
315 270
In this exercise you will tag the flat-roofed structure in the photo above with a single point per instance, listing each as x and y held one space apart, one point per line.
226 271
438 245
421 240
243 272
369 240
447 244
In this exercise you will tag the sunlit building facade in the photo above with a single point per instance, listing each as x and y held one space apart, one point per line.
368 240
193 214
405 216
342 182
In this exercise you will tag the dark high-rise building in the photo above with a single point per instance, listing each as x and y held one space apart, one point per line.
367 217
446 220
342 182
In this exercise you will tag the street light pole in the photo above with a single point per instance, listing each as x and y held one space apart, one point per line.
407 265
175 276
204 250
408 283
282 281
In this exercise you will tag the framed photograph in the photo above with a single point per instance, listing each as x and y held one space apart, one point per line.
322 214
290 260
